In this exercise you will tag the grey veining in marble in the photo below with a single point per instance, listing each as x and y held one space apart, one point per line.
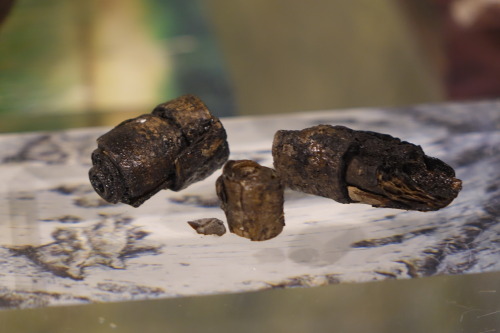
61 244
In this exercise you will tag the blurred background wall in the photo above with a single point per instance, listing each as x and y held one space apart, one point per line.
296 55
70 63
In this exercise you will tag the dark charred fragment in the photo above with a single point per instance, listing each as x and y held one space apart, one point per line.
178 144
359 166
252 198
208 226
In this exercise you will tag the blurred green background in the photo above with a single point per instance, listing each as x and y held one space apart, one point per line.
69 63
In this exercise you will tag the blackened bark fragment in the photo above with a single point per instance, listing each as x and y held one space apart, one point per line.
312 160
206 148
180 143
208 226
252 199
360 166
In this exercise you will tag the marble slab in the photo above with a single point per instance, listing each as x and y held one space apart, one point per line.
61 244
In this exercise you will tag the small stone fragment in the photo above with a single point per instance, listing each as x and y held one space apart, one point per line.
178 144
359 166
252 198
208 226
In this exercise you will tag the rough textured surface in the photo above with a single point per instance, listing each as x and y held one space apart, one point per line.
208 226
180 143
252 198
361 166
45 188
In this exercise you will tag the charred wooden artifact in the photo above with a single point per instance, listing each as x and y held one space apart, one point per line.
208 226
359 166
252 197
178 144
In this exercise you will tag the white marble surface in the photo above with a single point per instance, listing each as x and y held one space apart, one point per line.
61 244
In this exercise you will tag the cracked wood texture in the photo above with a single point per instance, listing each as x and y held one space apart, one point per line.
60 243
